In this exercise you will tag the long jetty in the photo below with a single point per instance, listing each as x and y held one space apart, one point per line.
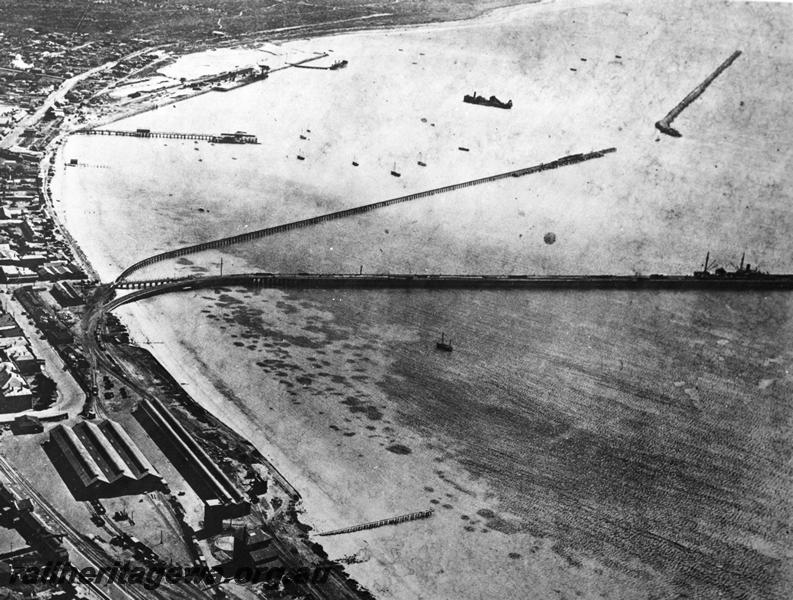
422 514
358 210
665 124
173 135
143 289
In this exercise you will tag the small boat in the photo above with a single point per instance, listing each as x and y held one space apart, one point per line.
395 173
443 344
463 149
421 163
354 162
301 157
302 137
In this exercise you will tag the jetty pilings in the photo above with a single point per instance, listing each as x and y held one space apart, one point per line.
357 210
422 514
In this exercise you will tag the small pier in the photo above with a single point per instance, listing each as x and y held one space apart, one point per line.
422 514
238 137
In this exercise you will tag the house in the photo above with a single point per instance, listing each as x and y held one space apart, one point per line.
9 328
15 394
17 350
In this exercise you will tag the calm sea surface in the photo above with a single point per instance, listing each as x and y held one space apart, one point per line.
649 426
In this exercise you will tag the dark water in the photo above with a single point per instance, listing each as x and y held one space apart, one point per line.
646 430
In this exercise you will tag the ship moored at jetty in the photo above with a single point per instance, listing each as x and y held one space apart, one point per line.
744 278
742 272
482 101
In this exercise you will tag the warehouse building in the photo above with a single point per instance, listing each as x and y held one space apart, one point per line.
101 460
222 499
66 294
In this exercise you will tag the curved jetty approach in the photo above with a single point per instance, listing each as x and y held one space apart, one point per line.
665 124
564 161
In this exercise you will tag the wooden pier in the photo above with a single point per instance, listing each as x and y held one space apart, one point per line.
422 514
357 210
239 137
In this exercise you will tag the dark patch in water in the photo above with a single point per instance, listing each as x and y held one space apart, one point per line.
285 307
357 406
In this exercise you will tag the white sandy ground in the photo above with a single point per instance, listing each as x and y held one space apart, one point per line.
655 205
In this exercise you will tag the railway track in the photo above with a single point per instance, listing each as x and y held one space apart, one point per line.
91 551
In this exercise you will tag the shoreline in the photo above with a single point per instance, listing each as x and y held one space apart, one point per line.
164 315
207 394
240 43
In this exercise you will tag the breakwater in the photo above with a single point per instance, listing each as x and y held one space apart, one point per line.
357 210
665 124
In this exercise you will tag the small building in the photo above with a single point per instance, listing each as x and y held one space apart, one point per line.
9 328
32 261
26 424
66 294
253 548
57 270
14 274
39 535
21 354
8 256
14 390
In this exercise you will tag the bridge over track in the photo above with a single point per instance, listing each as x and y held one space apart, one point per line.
268 231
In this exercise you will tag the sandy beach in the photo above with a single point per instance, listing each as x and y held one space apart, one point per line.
345 395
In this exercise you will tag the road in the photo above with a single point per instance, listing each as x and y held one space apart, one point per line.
70 395
58 95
